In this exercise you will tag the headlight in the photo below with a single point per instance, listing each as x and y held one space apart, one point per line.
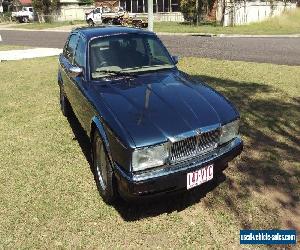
149 157
229 131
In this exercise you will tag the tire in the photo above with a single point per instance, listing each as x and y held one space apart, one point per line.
91 23
109 21
138 24
25 19
103 173
64 102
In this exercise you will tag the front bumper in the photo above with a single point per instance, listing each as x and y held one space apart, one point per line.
173 177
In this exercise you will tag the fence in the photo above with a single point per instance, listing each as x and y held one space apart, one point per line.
237 13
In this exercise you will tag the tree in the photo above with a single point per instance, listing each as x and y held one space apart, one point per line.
86 1
44 8
188 9
194 10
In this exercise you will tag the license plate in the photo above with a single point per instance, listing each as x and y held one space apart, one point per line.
200 176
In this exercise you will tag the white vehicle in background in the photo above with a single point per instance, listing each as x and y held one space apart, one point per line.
104 15
25 15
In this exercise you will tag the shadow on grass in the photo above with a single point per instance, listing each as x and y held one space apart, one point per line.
177 201
201 23
82 138
268 163
258 169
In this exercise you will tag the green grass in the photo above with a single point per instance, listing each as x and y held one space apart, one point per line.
11 47
41 26
48 198
288 23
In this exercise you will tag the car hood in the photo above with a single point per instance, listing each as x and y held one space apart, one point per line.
155 107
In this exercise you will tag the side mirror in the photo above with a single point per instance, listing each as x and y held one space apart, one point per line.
75 71
175 59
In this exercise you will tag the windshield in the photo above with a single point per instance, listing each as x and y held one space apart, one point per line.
127 53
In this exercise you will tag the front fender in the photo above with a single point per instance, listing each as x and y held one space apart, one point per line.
116 150
99 126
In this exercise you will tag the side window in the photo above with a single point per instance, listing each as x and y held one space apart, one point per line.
70 48
157 51
79 58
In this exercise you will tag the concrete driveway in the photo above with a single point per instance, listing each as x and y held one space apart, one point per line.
28 53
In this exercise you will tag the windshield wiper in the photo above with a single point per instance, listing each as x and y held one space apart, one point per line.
156 68
116 72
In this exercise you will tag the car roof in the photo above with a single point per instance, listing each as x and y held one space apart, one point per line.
91 32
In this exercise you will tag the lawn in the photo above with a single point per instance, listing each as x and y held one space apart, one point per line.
48 197
288 23
11 47
42 26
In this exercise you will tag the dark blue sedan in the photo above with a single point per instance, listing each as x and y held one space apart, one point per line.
152 128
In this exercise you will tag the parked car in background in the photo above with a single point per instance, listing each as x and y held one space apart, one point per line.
153 129
25 15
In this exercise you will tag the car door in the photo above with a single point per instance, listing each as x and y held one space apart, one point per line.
97 16
81 86
67 61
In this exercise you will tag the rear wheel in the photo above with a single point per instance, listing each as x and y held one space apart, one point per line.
103 173
138 24
108 21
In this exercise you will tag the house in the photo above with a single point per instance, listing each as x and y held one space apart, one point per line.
243 12
140 6
164 10
18 4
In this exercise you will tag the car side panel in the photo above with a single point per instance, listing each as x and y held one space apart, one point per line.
64 67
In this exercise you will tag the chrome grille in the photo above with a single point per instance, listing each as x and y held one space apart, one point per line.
195 145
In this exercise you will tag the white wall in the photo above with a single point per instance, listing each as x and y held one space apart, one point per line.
249 11
168 17
72 12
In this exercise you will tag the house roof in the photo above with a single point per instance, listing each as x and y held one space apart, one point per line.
25 2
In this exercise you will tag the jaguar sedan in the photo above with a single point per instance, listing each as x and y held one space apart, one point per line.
153 129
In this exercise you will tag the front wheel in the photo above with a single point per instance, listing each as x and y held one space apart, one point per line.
91 23
103 173
25 19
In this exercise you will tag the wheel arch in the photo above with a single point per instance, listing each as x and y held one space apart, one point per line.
96 124
91 20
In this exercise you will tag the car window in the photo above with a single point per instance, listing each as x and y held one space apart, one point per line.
157 51
79 58
128 52
70 48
